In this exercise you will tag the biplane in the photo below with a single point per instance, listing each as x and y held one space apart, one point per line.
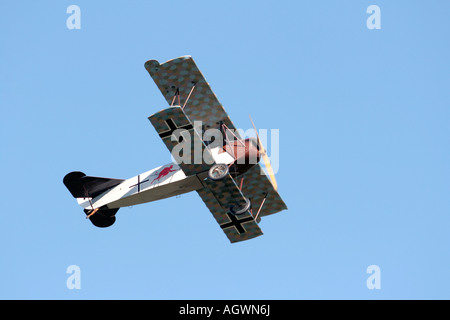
224 170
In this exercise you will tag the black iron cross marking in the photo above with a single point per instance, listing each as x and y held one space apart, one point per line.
172 127
139 183
237 223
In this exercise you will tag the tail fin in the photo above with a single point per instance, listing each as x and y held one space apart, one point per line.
82 186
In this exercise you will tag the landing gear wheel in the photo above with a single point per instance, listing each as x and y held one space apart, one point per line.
237 210
218 171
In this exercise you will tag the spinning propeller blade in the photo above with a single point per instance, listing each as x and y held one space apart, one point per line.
263 152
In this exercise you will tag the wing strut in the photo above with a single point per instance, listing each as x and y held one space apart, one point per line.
187 99
242 182
177 94
225 129
260 207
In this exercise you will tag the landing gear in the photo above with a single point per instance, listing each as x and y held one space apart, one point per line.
237 210
218 171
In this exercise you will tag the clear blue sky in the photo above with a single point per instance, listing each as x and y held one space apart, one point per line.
364 148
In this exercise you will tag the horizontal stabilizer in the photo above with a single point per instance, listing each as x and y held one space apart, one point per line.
83 186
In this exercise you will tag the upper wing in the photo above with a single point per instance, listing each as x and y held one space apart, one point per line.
179 76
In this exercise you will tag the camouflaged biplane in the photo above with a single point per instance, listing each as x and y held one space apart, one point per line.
236 190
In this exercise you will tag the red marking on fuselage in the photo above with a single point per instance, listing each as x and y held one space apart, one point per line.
164 172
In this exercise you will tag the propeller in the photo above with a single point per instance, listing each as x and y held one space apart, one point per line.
263 152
